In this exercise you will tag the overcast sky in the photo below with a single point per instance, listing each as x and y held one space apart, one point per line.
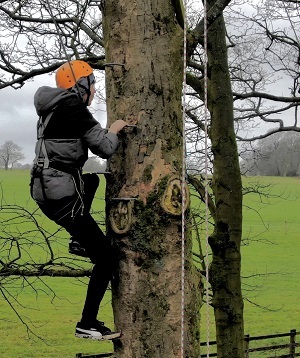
18 117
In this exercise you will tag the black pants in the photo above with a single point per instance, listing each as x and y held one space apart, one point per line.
83 227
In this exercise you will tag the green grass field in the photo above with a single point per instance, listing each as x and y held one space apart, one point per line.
272 254
270 266
52 309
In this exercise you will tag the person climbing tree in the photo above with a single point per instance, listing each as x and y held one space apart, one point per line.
66 130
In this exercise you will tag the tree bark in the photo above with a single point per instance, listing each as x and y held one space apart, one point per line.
144 188
225 270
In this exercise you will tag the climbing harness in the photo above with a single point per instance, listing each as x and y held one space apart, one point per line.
41 152
41 162
41 159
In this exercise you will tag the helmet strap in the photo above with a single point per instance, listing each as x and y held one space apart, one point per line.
88 91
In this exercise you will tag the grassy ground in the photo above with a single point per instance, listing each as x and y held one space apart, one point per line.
52 318
272 256
51 310
270 263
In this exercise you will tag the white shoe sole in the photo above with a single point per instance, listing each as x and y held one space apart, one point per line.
110 336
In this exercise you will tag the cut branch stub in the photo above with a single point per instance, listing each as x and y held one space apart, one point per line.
121 217
172 199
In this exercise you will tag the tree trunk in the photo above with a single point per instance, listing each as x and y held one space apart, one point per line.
144 38
225 270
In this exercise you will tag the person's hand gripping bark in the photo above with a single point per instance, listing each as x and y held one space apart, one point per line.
117 126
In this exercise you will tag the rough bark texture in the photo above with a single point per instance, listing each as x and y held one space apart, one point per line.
145 38
225 241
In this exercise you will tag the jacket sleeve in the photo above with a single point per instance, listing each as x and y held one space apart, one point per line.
100 141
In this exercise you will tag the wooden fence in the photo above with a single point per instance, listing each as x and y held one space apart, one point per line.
285 350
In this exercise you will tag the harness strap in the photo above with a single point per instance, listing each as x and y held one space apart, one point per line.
41 147
44 151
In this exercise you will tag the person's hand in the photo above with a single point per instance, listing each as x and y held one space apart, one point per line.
117 126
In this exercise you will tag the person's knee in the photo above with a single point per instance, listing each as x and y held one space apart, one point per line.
91 179
101 261
95 179
101 256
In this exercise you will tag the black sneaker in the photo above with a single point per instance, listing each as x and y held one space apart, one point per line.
76 249
96 330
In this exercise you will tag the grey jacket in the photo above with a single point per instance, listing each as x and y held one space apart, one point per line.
68 135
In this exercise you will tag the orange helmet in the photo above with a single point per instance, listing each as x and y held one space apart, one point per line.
70 72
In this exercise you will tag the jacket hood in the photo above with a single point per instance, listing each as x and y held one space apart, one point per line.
46 98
